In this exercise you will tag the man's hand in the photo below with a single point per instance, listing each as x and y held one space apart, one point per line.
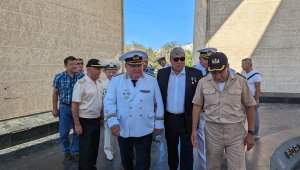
249 141
194 139
157 131
78 129
115 130
257 104
55 112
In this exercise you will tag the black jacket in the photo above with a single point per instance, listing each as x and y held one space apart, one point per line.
192 77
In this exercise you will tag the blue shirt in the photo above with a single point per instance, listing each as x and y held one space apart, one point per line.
201 68
65 84
149 71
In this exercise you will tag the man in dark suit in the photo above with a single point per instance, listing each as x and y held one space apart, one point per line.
177 85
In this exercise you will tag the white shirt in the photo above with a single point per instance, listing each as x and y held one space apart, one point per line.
176 92
252 80
221 86
89 94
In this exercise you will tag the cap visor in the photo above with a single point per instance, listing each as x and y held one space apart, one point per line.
216 68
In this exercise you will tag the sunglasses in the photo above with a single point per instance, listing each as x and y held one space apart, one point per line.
79 63
177 59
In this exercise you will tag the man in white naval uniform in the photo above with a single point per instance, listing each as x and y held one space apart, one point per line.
111 69
200 152
129 110
163 62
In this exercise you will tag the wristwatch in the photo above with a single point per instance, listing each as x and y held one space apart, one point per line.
251 132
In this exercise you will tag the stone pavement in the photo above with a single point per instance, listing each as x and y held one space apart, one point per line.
279 122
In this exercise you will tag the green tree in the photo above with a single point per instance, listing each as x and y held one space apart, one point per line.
164 51
188 58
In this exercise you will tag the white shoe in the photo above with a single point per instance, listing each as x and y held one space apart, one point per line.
110 157
256 137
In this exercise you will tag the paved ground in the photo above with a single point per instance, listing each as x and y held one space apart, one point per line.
275 118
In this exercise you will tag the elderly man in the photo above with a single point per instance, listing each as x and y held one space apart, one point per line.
178 84
254 80
111 69
163 62
129 110
223 95
86 107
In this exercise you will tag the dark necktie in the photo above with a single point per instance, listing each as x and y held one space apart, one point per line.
134 82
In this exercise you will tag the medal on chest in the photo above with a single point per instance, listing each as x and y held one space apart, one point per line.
126 94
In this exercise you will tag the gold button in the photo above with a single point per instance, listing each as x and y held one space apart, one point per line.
141 100
131 100
130 107
140 108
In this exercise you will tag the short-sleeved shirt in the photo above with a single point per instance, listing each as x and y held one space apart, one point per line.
90 95
256 78
65 84
224 106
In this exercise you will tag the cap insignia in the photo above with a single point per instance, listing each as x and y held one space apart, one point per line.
209 53
215 61
135 57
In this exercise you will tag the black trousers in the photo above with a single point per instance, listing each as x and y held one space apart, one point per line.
143 152
175 130
89 143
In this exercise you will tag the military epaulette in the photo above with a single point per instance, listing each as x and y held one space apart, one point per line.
150 74
118 74
82 80
241 75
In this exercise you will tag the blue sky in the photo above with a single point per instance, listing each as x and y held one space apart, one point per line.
156 22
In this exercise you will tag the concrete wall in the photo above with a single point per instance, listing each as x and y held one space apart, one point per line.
35 37
268 31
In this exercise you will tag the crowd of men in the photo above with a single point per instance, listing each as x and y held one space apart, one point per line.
202 110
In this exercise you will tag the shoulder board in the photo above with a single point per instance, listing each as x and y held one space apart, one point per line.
81 80
241 75
118 74
150 74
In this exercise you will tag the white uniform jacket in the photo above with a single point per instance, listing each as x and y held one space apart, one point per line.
133 107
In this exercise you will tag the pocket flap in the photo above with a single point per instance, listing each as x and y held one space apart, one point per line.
235 92
209 91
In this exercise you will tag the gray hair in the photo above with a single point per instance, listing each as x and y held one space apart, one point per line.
247 60
176 51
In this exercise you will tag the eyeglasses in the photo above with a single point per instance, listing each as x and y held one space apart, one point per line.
177 59
79 63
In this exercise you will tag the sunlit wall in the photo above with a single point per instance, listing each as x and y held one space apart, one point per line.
267 31
35 37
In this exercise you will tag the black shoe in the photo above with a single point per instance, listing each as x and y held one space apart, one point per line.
75 157
68 156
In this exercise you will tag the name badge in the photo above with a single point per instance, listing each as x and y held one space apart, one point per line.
145 91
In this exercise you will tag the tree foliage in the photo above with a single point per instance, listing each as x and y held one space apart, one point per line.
164 51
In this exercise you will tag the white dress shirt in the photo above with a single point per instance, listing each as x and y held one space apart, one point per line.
176 92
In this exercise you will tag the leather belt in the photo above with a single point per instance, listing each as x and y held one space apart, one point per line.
177 115
65 104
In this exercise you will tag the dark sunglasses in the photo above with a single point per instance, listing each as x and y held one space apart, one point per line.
177 59
79 63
